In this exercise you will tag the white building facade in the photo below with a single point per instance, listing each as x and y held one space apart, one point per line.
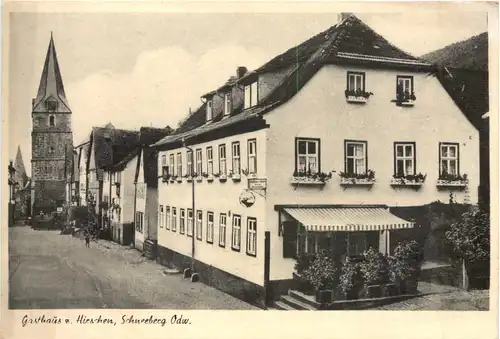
289 160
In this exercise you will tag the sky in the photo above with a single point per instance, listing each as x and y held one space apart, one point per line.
149 69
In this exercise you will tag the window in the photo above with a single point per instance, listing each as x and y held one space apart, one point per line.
199 164
356 81
222 160
222 230
167 217
251 95
236 234
182 221
139 216
52 121
171 164
51 150
199 225
307 243
356 243
227 103
252 236
404 159
355 157
448 159
160 216
174 219
236 157
179 165
252 156
189 169
210 227
163 160
209 110
190 223
307 155
405 84
210 161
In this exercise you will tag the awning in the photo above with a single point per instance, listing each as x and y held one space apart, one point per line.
329 219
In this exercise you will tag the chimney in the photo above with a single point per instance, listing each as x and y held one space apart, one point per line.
343 16
190 112
241 71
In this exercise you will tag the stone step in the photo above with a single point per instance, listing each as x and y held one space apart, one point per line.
303 298
279 305
296 304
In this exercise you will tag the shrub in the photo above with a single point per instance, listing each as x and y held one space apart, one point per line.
303 262
351 278
405 264
375 268
470 236
321 274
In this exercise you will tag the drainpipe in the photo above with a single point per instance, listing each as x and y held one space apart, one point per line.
192 205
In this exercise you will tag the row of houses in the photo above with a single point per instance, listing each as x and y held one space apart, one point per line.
334 144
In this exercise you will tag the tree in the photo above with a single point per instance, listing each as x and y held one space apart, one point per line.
469 237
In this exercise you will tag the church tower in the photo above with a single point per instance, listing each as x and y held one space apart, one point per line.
51 138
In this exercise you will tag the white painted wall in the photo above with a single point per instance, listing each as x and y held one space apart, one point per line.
320 110
140 237
219 198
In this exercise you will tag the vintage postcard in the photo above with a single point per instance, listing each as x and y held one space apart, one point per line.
166 160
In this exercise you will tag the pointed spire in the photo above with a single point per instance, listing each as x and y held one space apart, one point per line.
21 176
51 85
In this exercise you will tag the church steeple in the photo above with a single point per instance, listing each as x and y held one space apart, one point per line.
21 176
51 95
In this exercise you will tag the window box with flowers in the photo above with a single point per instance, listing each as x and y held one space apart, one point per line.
209 177
416 180
452 181
353 179
222 177
234 176
357 96
310 178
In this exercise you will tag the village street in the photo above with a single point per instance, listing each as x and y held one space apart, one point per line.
49 270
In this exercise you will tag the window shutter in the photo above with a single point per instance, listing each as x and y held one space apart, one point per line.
289 238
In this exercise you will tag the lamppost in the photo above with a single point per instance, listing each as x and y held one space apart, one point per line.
193 224
12 184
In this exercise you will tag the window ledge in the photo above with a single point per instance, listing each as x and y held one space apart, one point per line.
179 179
356 182
307 181
408 103
199 179
454 183
210 178
236 177
222 178
189 179
252 175
356 100
400 182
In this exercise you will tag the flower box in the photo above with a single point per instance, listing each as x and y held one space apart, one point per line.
189 179
210 178
307 181
324 296
356 99
451 183
179 179
236 177
223 178
402 182
356 182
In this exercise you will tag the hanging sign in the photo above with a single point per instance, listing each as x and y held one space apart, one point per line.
257 184
247 199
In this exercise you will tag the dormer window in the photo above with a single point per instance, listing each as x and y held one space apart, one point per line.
251 95
209 110
52 121
51 105
227 104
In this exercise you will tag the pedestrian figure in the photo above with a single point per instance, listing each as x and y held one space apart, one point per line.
87 239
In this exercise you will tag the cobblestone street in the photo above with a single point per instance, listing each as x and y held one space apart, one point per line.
49 270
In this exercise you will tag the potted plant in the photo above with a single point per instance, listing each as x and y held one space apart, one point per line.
404 97
367 178
351 279
311 177
409 179
375 271
321 274
405 266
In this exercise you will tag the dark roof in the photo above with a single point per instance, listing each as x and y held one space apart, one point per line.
112 145
469 54
349 41
51 85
